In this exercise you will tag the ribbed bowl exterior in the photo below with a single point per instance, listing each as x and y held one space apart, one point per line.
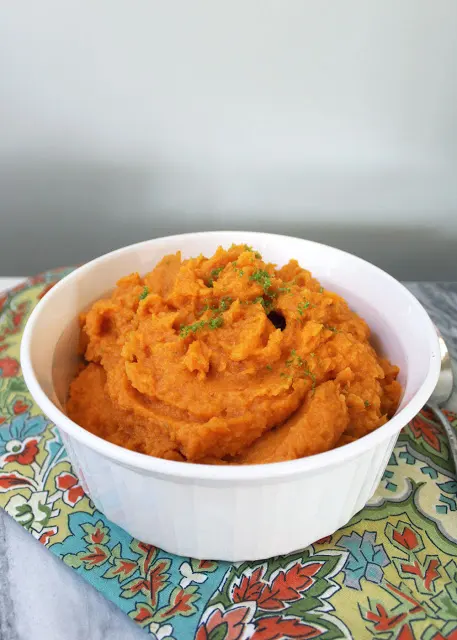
246 521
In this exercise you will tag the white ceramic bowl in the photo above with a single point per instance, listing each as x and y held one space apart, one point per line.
231 513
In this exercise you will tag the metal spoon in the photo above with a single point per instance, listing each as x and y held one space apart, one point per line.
441 395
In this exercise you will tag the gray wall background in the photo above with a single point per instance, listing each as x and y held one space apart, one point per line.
332 121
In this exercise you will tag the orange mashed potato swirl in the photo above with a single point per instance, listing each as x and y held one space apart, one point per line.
228 360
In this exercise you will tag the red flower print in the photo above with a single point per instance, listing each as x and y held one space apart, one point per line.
47 288
427 414
20 407
98 537
231 623
158 579
150 585
147 553
413 569
9 368
135 586
22 452
181 602
124 568
205 565
407 539
17 317
404 596
36 279
325 540
406 633
250 587
142 614
275 627
47 535
2 419
2 301
286 586
72 490
431 573
12 481
382 620
96 557
428 431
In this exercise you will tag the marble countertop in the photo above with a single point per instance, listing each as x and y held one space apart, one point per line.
41 598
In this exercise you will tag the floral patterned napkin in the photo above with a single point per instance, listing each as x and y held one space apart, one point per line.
391 573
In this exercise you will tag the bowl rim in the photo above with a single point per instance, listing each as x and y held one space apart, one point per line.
221 473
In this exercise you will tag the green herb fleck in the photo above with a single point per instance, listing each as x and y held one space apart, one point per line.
263 278
216 322
284 289
313 380
269 367
321 289
291 360
367 403
144 293
266 304
298 361
237 270
308 373
302 306
303 364
225 303
312 354
185 330
256 253
332 329
214 275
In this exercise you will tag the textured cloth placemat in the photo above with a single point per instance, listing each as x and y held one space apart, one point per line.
391 573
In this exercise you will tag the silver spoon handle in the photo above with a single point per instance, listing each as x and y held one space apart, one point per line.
451 434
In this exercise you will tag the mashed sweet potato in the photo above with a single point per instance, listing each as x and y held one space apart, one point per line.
229 360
